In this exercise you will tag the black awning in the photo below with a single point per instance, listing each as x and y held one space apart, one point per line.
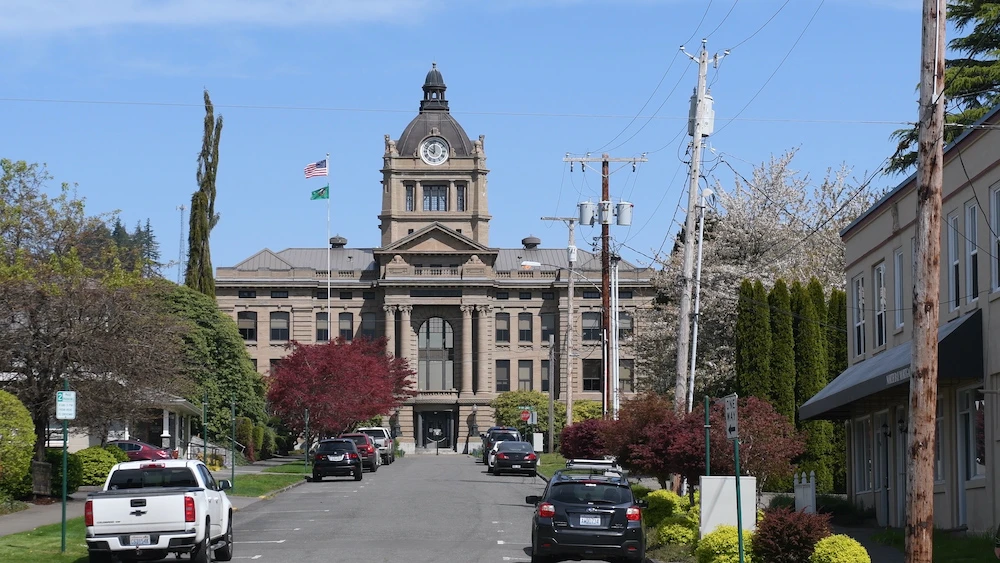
960 355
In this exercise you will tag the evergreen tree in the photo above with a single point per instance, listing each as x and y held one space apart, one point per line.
782 351
836 363
199 274
148 249
816 293
753 342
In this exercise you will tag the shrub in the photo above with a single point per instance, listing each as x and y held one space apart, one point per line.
583 440
677 530
74 471
587 410
269 444
663 503
786 536
841 510
244 435
258 438
722 546
18 444
839 549
96 463
117 453
639 491
782 501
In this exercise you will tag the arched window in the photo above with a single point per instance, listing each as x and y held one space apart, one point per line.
436 356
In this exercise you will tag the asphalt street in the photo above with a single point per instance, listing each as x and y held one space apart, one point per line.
420 509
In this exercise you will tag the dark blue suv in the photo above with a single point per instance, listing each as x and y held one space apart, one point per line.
587 512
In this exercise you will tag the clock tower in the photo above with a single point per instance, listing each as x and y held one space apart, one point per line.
434 174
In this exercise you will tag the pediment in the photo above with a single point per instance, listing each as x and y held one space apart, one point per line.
264 260
436 239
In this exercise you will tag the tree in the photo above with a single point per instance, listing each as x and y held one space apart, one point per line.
587 410
147 250
836 363
583 440
753 342
816 293
340 383
782 351
17 442
507 410
972 81
625 436
199 274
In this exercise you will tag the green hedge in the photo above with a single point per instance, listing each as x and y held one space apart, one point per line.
117 453
74 471
721 546
839 549
18 445
96 463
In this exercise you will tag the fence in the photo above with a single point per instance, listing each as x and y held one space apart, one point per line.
805 492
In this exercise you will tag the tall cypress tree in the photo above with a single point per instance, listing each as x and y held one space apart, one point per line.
199 274
836 363
816 293
753 342
782 351
810 378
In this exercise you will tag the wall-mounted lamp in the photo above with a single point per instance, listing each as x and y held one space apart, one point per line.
474 426
885 430
397 431
902 426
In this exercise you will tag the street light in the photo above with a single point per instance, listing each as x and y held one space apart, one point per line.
396 429
474 427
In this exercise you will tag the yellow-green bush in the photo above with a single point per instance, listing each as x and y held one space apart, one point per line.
839 549
97 463
694 511
677 530
722 546
18 445
117 453
639 491
662 504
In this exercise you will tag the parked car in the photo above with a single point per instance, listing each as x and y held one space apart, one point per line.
515 457
383 441
497 434
336 457
495 441
149 509
587 511
138 451
366 449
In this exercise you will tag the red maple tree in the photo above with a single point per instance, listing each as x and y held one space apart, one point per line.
341 383
641 422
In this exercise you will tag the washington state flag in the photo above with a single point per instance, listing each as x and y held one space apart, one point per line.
322 193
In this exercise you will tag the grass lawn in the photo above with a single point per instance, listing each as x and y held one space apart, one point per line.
548 463
43 544
260 484
948 548
298 468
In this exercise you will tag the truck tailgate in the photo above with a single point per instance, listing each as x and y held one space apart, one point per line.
138 511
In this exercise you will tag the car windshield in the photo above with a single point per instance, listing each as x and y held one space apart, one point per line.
510 446
590 492
326 447
152 477
374 433
503 437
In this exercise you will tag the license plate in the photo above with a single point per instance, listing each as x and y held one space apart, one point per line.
590 520
515 466
139 540
335 457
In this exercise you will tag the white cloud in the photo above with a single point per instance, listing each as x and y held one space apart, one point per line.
33 17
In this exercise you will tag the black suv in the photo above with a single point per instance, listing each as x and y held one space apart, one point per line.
336 457
587 512
498 434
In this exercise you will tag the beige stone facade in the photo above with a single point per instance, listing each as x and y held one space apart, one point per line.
872 396
469 318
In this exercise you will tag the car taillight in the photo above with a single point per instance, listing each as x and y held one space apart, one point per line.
531 457
319 457
189 515
352 455
88 513
501 455
546 510
633 514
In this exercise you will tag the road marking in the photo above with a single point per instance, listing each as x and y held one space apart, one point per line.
513 559
272 530
295 511
262 541
247 556
499 542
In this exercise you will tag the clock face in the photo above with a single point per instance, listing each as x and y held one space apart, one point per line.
434 151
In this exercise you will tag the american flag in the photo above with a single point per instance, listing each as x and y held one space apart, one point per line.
316 169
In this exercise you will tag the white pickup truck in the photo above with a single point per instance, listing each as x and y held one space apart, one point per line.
149 509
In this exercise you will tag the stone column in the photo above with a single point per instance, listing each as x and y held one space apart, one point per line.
405 332
484 345
467 350
390 328
165 435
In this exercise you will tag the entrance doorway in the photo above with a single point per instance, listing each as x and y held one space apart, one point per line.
437 426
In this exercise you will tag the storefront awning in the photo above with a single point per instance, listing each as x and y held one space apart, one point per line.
960 355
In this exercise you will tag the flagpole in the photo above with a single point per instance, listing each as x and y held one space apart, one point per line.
329 298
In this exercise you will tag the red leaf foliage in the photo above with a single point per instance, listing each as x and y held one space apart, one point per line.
340 383
583 440
639 437
786 536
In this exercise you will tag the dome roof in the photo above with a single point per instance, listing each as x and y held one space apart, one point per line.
434 116
434 77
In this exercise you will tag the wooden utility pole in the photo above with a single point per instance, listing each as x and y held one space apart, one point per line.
568 357
926 288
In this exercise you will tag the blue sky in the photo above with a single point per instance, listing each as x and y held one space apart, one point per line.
299 78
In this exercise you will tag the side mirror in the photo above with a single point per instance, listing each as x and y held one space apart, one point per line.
532 499
225 485
642 503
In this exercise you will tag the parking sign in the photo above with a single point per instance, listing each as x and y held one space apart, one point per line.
65 405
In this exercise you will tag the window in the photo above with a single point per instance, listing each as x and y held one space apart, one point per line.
436 355
546 374
503 327
246 321
279 294
971 252
524 295
625 294
503 295
524 327
548 325
548 295
524 375
435 198
460 197
254 362
591 294
879 285
346 322
442 292
275 362
368 325
322 327
995 238
624 325
626 376
322 294
279 326
859 315
409 197
972 433
863 455
347 295
368 295
409 231
503 375
954 285
592 326
897 286
592 375
247 294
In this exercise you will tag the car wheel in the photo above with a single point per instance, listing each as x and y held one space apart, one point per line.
225 553
534 474
358 474
203 553
375 464
317 477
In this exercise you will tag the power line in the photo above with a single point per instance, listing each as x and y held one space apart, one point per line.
761 28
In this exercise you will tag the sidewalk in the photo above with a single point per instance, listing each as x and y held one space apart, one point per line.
41 515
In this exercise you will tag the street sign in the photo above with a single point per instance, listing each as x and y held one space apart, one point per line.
525 415
65 405
732 423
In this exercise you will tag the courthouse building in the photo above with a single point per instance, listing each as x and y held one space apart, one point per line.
471 320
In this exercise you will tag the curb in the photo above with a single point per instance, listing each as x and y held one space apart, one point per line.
275 492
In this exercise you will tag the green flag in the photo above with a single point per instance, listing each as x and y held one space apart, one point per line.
322 193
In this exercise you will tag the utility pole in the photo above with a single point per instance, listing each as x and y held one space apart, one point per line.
180 247
926 288
568 360
604 214
552 394
700 124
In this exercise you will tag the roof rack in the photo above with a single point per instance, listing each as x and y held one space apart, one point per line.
593 467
